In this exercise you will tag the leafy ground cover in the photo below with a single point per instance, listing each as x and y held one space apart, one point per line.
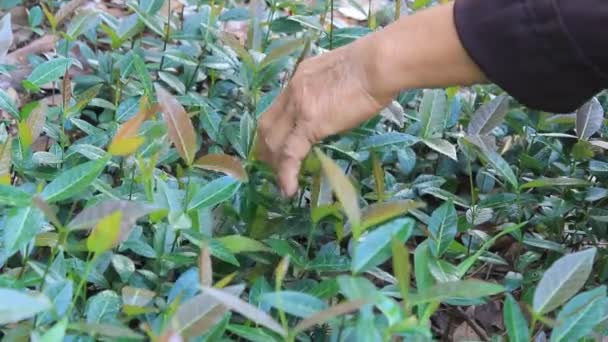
132 206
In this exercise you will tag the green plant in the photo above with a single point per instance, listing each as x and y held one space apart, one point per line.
132 205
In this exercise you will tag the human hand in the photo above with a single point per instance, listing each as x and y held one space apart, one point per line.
328 94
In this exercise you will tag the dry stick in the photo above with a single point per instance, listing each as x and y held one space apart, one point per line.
478 330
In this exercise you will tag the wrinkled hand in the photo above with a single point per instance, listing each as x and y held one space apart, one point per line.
328 94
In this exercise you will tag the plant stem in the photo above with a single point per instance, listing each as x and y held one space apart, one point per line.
90 261
166 40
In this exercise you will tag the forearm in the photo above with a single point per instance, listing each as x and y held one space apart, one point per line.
419 51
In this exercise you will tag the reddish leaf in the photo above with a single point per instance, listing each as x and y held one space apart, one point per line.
181 130
126 141
224 163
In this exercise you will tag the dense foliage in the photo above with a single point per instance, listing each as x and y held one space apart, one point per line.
132 205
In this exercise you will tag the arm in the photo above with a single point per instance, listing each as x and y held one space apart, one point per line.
338 90
547 54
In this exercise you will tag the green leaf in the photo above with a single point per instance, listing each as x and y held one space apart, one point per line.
562 280
240 244
49 71
401 267
22 225
422 259
589 119
343 189
104 307
555 182
7 104
12 196
143 74
488 116
374 247
388 139
56 333
73 181
294 303
500 166
515 322
580 315
217 191
82 23
442 146
443 226
18 305
433 111
463 289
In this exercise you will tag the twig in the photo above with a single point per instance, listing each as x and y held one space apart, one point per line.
478 330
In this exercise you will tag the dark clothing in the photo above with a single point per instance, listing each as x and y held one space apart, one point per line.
548 54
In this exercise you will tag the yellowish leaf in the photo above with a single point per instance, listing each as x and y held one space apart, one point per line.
6 161
25 135
5 179
224 163
343 189
181 130
381 212
226 280
125 146
105 235
126 141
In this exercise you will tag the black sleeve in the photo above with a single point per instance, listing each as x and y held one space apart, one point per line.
550 55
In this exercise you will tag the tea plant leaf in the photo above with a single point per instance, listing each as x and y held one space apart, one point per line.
214 192
181 131
557 182
580 315
14 197
36 120
488 116
126 141
56 333
106 233
6 35
247 310
19 305
562 280
8 104
109 330
442 146
500 166
589 119
464 289
131 212
374 247
432 114
294 303
515 322
6 161
239 244
201 312
73 181
226 164
401 268
21 227
326 315
343 189
104 307
443 227
381 212
388 139
48 71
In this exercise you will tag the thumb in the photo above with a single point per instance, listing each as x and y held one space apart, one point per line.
296 147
